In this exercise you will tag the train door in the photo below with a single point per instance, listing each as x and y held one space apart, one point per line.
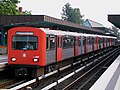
76 46
59 48
50 49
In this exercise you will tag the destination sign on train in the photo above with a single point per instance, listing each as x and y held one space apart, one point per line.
24 33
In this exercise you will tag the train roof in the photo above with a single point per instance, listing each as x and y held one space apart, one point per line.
60 32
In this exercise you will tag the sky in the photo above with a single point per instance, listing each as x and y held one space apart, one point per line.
96 10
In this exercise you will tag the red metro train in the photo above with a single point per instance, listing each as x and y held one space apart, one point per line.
30 49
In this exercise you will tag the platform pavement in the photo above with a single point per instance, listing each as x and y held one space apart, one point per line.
110 79
3 58
3 61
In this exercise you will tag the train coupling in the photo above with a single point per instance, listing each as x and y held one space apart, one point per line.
22 72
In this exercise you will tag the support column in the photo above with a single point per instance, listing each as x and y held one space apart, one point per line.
3 36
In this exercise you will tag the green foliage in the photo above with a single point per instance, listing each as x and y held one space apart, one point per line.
15 1
27 13
72 14
8 7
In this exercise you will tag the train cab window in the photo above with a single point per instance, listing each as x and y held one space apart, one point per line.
52 42
24 42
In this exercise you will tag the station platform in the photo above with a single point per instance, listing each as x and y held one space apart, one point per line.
110 79
3 62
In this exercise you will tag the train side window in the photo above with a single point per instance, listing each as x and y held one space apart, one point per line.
68 41
65 42
89 40
52 42
47 43
60 42
103 40
92 40
106 40
84 41
99 40
72 41
79 41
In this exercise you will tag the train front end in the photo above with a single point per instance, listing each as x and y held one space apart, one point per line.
26 50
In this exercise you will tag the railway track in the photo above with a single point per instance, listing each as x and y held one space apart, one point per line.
7 78
58 79
85 81
71 80
6 82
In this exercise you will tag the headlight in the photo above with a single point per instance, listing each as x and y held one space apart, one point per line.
13 59
36 60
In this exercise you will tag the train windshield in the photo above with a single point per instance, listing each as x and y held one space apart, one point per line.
24 42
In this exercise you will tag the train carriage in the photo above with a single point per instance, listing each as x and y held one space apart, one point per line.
32 49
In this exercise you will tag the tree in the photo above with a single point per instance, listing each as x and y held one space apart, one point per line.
27 12
71 14
9 7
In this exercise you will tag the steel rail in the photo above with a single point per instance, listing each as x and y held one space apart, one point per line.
97 72
71 84
65 77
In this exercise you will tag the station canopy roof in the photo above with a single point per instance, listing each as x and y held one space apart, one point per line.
115 20
93 24
45 22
